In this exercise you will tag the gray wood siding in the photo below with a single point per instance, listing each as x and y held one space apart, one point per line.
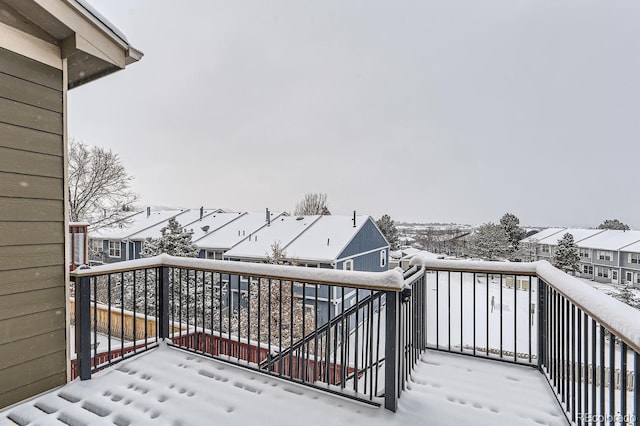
32 229
368 238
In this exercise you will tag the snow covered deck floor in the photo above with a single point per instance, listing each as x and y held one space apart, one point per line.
171 387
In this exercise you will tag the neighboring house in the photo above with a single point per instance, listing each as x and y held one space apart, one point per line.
229 229
46 48
546 246
607 256
117 243
331 241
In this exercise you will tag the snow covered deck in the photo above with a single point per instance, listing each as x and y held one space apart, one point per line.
170 387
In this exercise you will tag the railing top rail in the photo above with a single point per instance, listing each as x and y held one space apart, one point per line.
507 268
613 314
388 280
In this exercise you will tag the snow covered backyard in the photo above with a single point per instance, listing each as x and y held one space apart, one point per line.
170 387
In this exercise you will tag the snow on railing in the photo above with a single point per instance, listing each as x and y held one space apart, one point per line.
388 280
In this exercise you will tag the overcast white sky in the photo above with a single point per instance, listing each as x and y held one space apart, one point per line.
451 111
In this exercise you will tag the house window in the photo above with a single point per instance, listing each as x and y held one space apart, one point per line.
614 275
637 278
602 272
114 249
604 255
545 249
214 255
587 269
584 252
629 277
383 258
634 258
95 246
348 265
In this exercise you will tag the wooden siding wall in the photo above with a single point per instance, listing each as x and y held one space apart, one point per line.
32 267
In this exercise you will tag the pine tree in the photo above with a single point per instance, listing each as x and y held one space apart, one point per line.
197 290
613 224
566 256
388 228
511 225
627 296
489 242
174 240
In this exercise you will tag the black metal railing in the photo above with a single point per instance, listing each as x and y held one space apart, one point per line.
350 333
584 342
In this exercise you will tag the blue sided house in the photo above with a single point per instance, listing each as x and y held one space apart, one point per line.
335 242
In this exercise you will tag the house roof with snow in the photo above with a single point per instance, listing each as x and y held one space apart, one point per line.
210 223
283 231
611 240
579 234
235 231
542 235
326 239
135 224
185 219
633 248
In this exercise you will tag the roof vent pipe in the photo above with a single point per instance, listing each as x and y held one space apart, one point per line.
268 217
148 211
201 212
354 218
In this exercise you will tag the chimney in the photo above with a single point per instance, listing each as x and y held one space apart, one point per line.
354 218
148 211
328 241
201 212
268 217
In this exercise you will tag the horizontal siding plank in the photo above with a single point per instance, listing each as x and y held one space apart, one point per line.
17 137
29 349
35 187
26 233
19 66
24 327
35 388
30 163
30 93
21 375
29 116
21 280
31 302
27 210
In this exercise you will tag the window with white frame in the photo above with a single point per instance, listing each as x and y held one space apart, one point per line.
605 255
348 265
602 272
95 246
544 248
585 252
114 249
637 278
587 269
383 258
634 258
629 277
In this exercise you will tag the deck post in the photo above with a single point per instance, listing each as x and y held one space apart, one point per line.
391 351
83 327
163 297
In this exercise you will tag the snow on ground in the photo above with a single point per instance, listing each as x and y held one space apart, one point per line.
170 387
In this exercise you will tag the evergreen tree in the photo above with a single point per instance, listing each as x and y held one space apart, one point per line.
511 225
566 256
613 224
489 242
388 228
175 240
196 291
627 296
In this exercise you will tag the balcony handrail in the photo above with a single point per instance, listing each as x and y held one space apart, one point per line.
611 313
391 280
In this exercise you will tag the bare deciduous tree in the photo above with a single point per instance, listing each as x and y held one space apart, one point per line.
312 203
99 186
